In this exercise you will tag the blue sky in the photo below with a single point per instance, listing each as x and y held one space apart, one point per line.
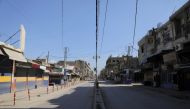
42 21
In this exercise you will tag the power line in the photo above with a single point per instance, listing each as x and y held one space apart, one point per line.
12 36
105 18
62 24
19 11
60 57
134 33
15 42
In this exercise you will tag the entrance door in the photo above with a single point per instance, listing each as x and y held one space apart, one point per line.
187 80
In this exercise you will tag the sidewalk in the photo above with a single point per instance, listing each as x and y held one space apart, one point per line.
7 100
185 95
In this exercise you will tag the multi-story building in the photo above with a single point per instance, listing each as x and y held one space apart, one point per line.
81 67
181 28
164 54
113 67
116 67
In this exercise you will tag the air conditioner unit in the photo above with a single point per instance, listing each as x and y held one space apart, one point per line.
178 47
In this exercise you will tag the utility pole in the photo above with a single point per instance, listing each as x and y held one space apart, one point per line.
128 51
97 2
65 56
65 63
48 57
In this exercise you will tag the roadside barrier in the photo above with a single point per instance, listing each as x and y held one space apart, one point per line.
47 89
27 94
53 88
14 98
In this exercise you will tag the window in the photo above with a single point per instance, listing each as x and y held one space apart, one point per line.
113 61
178 28
150 40
158 41
188 14
142 49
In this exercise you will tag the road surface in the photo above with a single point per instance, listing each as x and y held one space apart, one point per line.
131 97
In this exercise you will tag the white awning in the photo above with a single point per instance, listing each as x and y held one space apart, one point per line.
44 68
14 55
70 67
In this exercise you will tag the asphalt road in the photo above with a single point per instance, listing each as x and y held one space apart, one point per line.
119 96
79 97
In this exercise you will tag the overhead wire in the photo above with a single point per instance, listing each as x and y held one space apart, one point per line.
135 24
105 19
18 10
12 36
62 24
15 42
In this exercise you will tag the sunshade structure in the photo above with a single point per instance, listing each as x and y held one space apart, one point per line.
18 73
12 53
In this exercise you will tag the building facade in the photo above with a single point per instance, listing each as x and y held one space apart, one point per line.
82 68
164 54
116 67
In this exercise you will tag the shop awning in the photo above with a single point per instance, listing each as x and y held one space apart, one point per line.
35 66
14 55
55 74
44 68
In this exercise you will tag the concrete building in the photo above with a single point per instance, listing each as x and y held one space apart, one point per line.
81 67
116 68
164 53
181 27
146 49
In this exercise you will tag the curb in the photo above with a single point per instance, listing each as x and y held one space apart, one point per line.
98 102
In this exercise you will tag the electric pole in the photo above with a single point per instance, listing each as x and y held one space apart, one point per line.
65 57
97 2
48 57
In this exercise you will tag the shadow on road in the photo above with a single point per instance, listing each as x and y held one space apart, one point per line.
75 98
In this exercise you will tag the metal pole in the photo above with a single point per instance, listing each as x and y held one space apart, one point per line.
12 77
48 57
96 39
65 57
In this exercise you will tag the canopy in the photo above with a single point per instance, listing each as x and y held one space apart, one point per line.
15 55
